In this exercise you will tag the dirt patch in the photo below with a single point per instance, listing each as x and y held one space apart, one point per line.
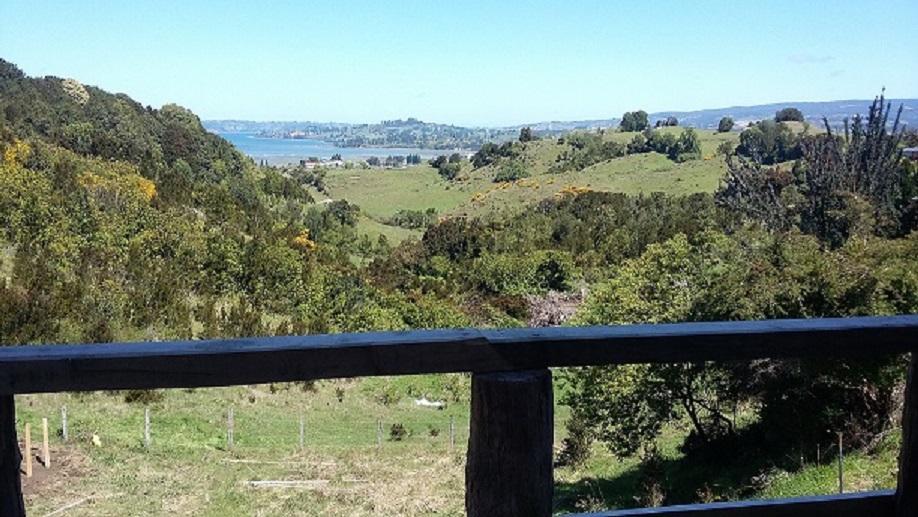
67 465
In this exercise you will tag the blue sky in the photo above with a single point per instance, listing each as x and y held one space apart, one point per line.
467 62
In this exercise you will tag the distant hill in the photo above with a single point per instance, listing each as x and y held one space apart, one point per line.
834 111
424 134
410 132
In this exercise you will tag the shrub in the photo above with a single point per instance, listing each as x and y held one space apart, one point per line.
397 432
725 125
575 449
538 272
144 396
388 396
511 171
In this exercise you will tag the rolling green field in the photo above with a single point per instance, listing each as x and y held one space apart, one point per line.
341 471
381 193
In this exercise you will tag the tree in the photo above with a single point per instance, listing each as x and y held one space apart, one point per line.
844 184
725 125
667 122
526 135
634 121
769 142
789 115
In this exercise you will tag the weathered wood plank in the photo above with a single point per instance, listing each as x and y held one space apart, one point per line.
872 504
11 503
509 467
33 369
907 489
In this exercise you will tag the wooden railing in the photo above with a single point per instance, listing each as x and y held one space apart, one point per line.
509 465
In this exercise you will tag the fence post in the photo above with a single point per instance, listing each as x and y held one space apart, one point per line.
64 435
11 502
28 450
146 427
907 487
229 428
378 435
509 467
45 449
841 465
302 432
452 433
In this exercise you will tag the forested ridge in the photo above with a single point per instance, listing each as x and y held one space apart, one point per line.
120 222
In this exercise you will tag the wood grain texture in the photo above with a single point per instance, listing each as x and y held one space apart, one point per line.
53 368
11 503
865 504
509 467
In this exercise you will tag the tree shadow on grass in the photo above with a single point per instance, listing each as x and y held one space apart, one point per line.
731 468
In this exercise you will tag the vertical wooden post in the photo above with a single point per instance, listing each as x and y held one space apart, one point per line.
841 465
302 432
229 428
509 467
907 489
378 435
64 434
11 502
146 427
28 450
45 449
452 433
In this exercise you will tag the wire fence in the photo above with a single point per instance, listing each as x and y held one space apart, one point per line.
245 429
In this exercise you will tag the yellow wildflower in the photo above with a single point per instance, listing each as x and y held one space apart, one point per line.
18 151
303 242
147 188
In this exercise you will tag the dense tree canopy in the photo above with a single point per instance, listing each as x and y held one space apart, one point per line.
634 121
789 115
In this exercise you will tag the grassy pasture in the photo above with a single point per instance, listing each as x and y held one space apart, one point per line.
189 470
381 193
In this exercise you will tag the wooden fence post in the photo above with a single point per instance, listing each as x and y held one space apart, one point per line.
907 489
841 465
28 450
452 433
45 449
64 434
302 432
146 427
11 502
378 435
509 467
229 428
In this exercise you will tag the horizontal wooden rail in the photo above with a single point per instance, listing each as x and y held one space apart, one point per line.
865 504
53 368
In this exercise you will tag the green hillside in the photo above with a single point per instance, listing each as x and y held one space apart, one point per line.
123 223
380 193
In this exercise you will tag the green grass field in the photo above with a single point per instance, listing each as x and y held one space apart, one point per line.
189 469
381 193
